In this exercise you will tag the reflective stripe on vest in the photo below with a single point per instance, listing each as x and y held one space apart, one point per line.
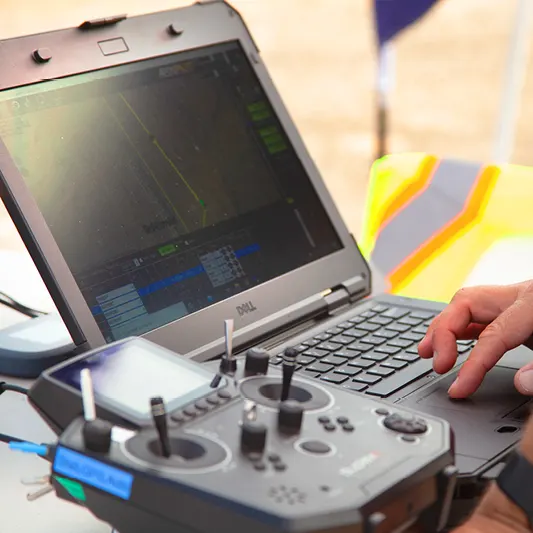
380 207
451 200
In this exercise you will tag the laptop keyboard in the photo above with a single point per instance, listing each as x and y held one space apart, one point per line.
374 352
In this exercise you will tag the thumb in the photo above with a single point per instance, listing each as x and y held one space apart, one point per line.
523 380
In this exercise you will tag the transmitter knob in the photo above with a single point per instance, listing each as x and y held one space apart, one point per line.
253 437
290 417
97 435
257 361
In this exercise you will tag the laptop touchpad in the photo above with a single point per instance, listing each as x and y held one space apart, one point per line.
485 424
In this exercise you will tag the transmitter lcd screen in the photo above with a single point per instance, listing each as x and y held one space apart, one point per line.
125 376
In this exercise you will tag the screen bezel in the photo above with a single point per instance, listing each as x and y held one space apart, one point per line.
151 349
146 37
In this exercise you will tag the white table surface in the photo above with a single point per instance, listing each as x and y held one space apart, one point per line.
19 278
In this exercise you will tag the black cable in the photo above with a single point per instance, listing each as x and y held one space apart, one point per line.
6 300
9 438
8 387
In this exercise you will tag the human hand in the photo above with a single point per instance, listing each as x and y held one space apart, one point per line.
496 513
500 317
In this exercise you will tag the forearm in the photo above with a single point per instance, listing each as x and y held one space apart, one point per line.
495 514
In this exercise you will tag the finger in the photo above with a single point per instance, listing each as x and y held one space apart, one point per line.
523 380
509 330
472 332
444 339
484 305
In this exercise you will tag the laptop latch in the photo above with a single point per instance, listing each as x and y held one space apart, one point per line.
345 293
101 23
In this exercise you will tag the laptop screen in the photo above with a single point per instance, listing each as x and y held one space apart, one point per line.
168 184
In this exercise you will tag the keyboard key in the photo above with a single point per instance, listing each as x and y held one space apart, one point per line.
355 387
322 336
391 350
319 367
332 360
357 320
410 336
372 339
329 346
342 339
358 346
311 342
335 378
421 329
382 320
347 354
366 378
465 341
400 343
345 325
368 314
401 328
409 357
362 363
276 360
463 348
396 365
306 360
300 348
311 374
424 315
368 326
356 333
386 333
379 308
410 321
315 352
373 356
348 370
400 379
413 349
396 312
334 331
380 371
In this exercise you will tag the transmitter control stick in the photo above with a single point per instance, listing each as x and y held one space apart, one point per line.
96 433
290 355
159 414
228 363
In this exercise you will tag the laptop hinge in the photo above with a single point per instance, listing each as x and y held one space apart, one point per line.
101 23
346 293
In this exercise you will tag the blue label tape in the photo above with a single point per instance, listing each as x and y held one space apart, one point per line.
92 472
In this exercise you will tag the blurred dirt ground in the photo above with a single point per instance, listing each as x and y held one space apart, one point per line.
321 56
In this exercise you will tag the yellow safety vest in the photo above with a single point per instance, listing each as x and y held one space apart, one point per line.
429 221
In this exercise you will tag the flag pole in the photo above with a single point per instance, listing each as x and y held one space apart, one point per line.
384 83
513 83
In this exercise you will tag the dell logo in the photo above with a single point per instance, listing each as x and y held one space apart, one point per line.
246 308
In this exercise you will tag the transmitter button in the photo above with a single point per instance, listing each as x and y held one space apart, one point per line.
224 394
190 411
201 405
316 447
178 417
405 424
213 399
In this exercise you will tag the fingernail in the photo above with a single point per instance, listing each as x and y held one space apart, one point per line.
454 385
526 381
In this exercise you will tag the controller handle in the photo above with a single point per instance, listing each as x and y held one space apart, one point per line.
290 355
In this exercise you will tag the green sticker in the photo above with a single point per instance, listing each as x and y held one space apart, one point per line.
74 488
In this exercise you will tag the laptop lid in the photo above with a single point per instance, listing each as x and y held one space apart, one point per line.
160 185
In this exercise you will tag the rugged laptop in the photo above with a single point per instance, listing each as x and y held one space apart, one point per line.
161 187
